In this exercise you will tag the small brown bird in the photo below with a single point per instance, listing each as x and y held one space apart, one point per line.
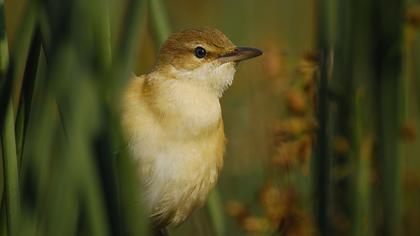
173 121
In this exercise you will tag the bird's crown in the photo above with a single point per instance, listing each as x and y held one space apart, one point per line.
191 47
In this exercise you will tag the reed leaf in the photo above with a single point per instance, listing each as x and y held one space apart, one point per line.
11 176
160 21
28 86
388 72
322 152
11 196
17 56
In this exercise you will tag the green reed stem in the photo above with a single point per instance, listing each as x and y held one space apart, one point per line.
17 55
8 141
322 153
215 208
10 165
389 56
160 21
28 87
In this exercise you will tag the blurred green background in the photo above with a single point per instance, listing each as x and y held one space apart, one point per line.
322 129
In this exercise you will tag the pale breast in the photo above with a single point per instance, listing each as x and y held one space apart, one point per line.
178 175
180 182
178 166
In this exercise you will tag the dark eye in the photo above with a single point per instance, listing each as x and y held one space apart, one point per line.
200 52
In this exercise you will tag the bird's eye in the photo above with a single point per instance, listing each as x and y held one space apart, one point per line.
200 52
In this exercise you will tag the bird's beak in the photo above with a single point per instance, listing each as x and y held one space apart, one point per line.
240 54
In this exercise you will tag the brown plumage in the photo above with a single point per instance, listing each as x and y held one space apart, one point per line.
173 122
181 45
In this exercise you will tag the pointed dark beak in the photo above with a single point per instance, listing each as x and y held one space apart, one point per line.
240 54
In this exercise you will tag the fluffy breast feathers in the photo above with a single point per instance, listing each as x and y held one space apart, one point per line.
174 131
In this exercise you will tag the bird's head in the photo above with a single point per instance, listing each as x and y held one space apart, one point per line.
203 56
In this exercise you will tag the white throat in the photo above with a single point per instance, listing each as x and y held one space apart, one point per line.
212 75
191 97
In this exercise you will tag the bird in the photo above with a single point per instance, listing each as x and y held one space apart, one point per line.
172 121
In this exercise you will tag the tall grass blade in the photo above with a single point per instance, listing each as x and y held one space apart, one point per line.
160 21
322 153
28 86
16 58
8 141
388 72
215 208
11 177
